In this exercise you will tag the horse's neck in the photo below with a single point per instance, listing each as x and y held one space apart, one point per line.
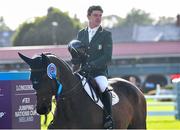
65 74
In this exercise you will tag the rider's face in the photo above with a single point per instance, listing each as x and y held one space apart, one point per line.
95 18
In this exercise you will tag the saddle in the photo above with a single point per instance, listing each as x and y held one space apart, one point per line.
91 87
94 86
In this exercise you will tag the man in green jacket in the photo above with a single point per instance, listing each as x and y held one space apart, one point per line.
98 53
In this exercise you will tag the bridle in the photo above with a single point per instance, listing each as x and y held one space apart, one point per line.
58 95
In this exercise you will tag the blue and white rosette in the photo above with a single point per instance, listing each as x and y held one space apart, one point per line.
51 71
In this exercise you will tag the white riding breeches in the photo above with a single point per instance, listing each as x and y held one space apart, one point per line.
102 81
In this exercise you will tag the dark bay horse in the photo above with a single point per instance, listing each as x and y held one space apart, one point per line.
74 108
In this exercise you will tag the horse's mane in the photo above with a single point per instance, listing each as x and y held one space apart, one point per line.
60 59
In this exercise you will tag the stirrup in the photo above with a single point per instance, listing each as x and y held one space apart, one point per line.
108 124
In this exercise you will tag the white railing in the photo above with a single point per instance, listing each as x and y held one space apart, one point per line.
158 96
173 97
170 103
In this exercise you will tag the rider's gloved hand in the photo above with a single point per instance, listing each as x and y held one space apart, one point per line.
86 68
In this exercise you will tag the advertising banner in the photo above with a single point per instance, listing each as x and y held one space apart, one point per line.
5 105
24 105
18 105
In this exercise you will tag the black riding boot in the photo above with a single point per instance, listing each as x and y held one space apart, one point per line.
107 102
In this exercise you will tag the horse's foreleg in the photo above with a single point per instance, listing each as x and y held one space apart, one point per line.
45 119
51 125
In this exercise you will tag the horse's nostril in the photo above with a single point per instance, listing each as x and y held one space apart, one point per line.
44 109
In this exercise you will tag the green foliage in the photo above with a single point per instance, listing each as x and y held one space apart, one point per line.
170 87
138 17
134 17
3 26
55 28
165 20
42 32
112 21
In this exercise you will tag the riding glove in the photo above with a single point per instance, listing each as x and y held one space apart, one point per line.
88 67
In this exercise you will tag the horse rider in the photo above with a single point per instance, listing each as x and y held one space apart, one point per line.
92 52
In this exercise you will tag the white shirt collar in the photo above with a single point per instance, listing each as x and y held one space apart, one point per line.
93 29
92 32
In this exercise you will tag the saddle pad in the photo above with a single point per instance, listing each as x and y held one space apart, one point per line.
115 98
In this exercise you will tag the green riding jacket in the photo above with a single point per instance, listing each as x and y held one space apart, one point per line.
99 50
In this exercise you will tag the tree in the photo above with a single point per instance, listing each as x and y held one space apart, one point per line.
138 17
55 28
165 20
111 21
3 26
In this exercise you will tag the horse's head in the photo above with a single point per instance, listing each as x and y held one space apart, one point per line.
41 82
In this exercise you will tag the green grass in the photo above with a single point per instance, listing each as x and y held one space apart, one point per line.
153 122
165 122
161 122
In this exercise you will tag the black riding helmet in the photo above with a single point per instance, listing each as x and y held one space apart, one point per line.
77 50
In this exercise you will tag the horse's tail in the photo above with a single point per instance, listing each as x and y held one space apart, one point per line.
140 113
130 94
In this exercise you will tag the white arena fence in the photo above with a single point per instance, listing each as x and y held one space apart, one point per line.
165 100
166 103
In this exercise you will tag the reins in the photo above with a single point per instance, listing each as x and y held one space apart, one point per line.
64 96
70 92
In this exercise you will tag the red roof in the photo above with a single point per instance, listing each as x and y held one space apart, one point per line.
146 49
10 54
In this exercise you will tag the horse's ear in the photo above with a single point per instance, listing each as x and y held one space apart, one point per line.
26 59
45 59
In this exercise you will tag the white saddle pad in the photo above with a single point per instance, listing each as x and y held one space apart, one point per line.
115 98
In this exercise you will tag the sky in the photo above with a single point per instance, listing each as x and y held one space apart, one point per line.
16 12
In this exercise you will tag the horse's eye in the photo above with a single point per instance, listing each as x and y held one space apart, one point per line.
36 79
35 84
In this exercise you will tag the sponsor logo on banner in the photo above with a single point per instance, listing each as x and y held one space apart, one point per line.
2 114
1 93
24 87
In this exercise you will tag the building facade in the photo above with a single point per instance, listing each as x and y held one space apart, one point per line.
147 64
